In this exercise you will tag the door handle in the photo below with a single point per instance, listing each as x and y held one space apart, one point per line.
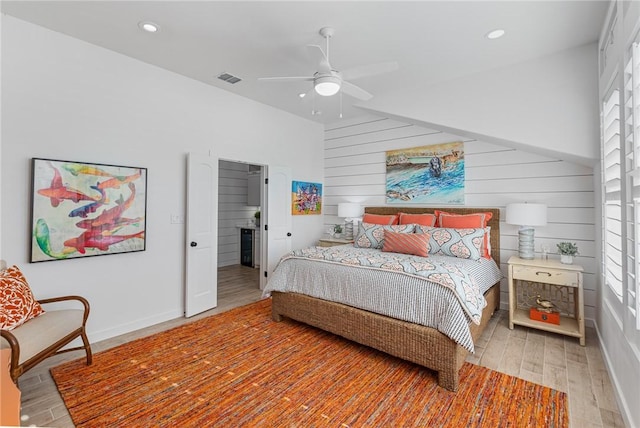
194 244
288 233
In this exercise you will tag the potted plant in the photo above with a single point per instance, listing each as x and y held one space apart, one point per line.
257 217
337 229
567 250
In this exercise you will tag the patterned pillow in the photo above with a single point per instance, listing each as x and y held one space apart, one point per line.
423 219
461 243
372 235
406 243
380 219
17 304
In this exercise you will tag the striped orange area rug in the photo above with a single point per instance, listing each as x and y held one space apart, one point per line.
240 368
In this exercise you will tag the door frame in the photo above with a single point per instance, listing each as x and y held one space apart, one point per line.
264 237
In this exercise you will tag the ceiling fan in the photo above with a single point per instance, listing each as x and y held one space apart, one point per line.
328 81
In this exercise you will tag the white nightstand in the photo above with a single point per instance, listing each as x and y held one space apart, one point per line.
554 281
332 242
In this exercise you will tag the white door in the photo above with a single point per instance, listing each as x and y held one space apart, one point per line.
201 279
278 218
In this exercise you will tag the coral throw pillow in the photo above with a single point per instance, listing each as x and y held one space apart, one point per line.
466 221
380 219
416 244
462 221
17 304
421 219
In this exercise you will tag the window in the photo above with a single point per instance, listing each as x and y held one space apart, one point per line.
621 187
632 176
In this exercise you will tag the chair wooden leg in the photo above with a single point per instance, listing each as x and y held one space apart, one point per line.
87 347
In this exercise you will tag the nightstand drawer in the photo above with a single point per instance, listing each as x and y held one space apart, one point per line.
546 275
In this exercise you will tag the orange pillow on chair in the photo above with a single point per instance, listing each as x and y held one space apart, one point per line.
17 304
386 220
465 221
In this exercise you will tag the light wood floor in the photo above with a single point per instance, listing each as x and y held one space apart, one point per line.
547 359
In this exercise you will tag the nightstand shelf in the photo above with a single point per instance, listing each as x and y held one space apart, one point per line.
553 281
568 326
332 242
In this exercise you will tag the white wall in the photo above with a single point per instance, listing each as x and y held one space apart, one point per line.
1 60
66 99
495 176
549 104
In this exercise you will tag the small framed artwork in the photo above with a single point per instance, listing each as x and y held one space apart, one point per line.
81 209
306 198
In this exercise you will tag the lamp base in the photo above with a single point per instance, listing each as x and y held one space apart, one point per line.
348 229
525 243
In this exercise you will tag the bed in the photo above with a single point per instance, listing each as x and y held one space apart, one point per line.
426 346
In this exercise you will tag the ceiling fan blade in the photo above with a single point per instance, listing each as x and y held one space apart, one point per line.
319 57
287 79
355 91
369 70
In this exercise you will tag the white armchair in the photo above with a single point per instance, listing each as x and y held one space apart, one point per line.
46 334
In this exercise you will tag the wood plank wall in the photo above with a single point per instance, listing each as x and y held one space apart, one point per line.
232 210
495 176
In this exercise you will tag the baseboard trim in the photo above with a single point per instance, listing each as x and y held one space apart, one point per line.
622 404
97 336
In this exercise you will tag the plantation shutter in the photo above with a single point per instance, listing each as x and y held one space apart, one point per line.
612 193
632 175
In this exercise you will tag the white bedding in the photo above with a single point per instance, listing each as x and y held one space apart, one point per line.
388 292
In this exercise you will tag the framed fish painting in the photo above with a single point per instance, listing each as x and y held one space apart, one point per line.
81 209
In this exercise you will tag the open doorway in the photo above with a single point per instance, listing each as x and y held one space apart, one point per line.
239 230
206 200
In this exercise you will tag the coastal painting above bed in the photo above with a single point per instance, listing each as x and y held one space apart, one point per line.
429 174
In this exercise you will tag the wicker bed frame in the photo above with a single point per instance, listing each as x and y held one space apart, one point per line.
412 342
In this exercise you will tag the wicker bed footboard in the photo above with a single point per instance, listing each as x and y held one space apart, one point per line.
412 342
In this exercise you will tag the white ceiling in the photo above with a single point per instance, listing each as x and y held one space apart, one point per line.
432 41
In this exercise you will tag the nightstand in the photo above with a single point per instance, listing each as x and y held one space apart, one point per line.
553 281
332 242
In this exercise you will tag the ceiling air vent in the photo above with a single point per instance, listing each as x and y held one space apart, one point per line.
229 78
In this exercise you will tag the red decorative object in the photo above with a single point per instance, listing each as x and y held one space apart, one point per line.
544 316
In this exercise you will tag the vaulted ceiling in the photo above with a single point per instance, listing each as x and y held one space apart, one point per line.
432 41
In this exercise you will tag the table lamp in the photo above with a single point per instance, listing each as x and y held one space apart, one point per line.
349 212
526 216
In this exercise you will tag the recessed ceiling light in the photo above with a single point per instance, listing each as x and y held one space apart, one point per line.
495 34
148 26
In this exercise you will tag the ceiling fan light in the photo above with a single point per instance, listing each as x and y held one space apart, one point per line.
327 85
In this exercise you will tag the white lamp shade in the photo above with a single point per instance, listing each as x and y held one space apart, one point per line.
524 214
327 85
349 210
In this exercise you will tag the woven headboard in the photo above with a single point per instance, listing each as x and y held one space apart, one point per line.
494 223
